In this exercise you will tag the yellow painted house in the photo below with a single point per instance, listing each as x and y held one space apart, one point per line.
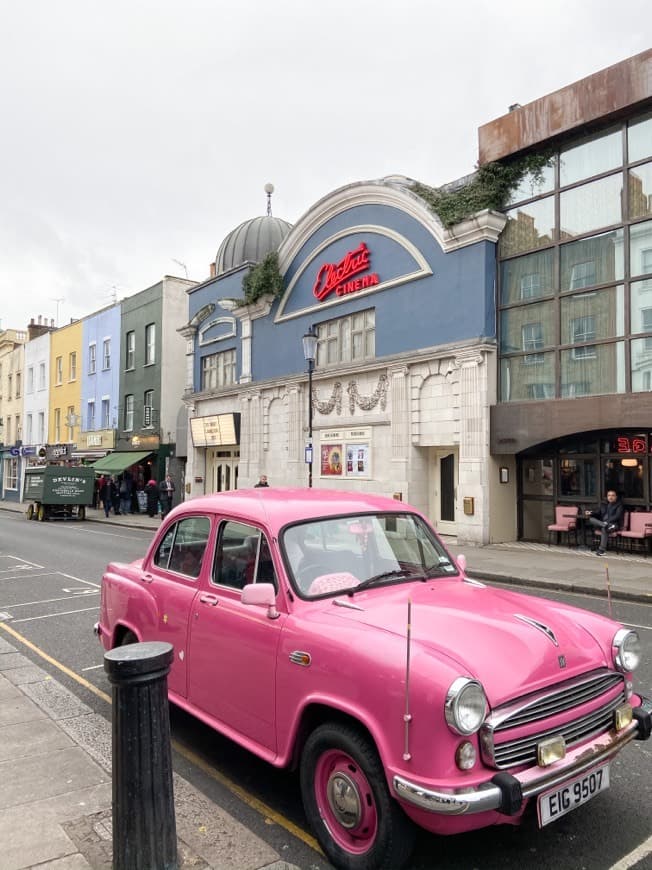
64 415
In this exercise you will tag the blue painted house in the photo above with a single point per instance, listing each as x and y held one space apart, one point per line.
100 382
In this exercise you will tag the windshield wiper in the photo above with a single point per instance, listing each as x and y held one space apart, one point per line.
385 575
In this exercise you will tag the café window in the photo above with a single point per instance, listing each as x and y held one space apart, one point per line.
218 370
347 339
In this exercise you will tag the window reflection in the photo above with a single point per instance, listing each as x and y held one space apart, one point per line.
641 365
591 157
639 136
596 260
528 226
605 309
640 190
590 206
529 186
640 248
528 328
527 277
625 476
600 371
526 378
577 478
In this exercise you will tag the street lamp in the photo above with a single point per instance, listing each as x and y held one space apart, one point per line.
310 352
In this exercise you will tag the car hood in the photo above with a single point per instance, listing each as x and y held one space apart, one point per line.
512 643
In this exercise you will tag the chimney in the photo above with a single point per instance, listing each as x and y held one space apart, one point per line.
213 270
39 320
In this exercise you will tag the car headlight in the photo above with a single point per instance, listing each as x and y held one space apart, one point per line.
466 706
627 650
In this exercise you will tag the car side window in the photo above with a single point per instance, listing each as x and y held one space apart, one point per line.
183 546
243 556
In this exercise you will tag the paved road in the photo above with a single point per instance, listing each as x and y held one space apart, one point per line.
49 589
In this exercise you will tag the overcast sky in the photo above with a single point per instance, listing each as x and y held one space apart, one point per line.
137 133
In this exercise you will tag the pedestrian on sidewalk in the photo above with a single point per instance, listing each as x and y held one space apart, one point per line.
125 493
166 488
262 481
607 518
153 496
104 493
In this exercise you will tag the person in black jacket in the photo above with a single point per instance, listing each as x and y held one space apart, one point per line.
608 518
153 495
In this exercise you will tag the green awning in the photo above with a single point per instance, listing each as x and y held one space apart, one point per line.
116 462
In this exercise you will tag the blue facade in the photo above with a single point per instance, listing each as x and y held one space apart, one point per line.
102 384
218 330
425 297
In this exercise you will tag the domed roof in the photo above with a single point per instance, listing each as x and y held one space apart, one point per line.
251 242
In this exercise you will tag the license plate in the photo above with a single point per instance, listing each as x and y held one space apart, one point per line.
553 804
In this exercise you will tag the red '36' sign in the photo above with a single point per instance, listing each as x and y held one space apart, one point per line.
334 277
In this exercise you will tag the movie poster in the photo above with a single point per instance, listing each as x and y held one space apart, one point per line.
357 460
331 460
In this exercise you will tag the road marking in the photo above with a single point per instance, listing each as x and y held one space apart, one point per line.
79 580
249 799
20 559
24 579
93 668
51 600
635 625
50 615
638 854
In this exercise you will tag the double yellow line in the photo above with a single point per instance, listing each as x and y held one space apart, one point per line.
190 756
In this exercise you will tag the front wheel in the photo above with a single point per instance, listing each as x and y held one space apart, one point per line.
30 512
81 512
348 805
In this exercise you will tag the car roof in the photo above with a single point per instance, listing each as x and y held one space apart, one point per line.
277 506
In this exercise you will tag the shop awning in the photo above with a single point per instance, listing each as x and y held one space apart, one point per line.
116 462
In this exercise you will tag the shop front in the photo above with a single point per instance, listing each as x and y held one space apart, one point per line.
217 437
578 470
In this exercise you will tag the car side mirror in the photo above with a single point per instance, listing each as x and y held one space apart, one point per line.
461 563
262 595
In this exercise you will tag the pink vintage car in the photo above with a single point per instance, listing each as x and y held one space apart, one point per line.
333 630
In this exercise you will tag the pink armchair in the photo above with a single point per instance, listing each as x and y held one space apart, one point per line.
565 523
640 529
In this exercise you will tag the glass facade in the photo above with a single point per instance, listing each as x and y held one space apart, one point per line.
581 239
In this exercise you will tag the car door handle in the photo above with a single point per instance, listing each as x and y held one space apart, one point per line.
213 600
146 578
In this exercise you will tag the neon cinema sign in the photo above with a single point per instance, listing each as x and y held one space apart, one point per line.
338 277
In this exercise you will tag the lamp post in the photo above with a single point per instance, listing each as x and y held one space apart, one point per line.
309 353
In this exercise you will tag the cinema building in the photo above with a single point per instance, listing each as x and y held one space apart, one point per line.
482 371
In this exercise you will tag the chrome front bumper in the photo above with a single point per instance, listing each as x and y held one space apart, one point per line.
506 792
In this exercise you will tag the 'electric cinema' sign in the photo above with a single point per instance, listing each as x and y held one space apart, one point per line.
338 277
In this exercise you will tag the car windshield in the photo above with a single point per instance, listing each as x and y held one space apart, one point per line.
342 554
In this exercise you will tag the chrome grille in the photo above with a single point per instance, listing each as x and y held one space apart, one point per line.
539 707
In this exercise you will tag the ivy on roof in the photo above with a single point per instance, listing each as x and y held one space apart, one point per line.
262 279
490 187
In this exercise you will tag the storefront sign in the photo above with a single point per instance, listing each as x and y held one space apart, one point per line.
627 444
55 452
103 438
145 442
335 277
218 430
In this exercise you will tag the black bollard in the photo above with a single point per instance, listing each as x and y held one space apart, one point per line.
144 825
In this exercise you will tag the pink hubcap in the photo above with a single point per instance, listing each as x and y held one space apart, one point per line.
346 802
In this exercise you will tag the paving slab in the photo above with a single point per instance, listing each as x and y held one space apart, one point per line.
42 736
18 708
27 779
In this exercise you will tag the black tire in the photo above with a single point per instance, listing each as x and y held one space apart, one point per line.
41 513
127 638
81 512
29 513
362 827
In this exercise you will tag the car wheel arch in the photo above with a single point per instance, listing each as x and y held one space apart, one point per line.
318 713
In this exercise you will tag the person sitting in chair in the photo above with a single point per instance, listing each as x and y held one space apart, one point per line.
607 518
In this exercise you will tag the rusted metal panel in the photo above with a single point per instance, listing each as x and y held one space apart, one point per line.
603 94
519 425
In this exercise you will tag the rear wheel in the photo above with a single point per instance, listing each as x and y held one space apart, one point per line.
30 512
348 805
41 513
81 512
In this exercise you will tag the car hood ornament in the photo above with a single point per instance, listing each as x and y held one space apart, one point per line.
541 626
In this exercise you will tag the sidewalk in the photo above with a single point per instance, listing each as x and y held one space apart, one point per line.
55 752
